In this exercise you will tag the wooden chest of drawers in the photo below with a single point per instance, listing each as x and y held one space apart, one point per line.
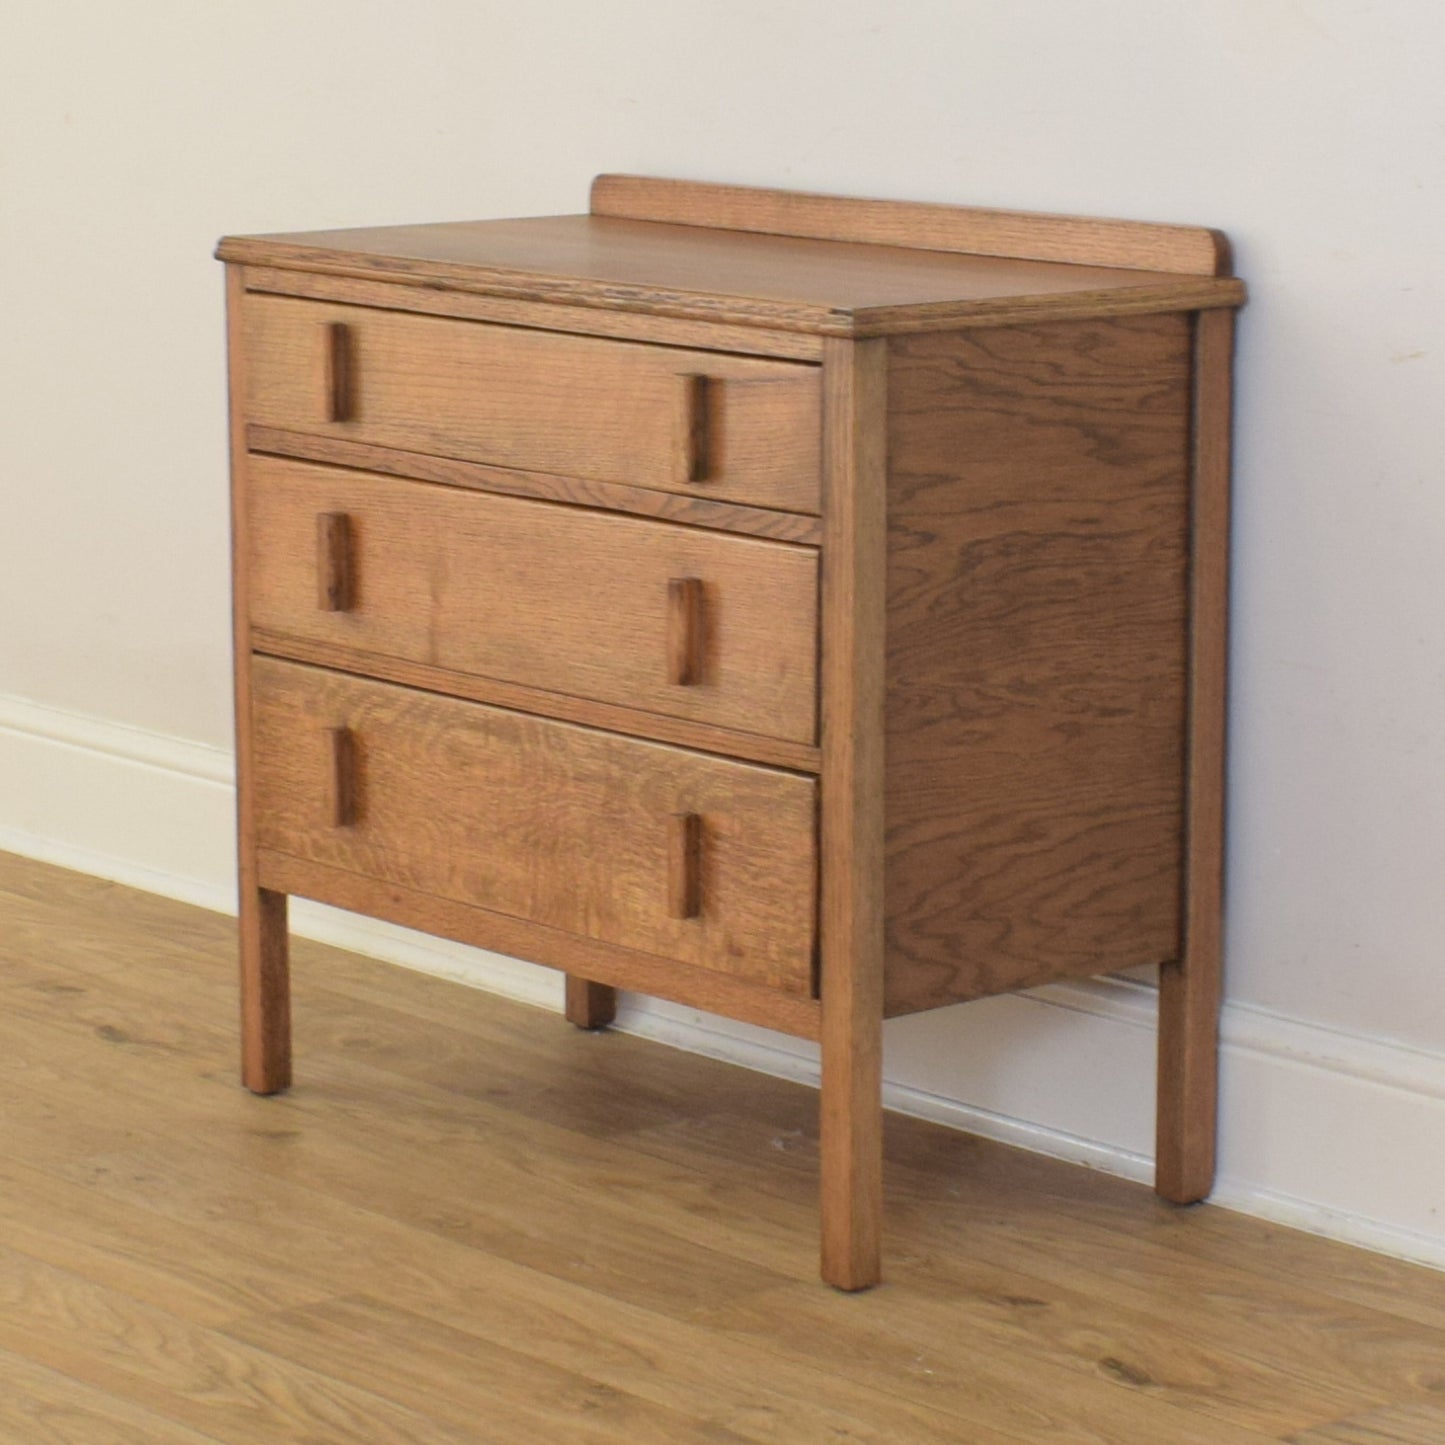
808 610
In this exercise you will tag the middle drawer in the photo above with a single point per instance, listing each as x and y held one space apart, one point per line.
707 626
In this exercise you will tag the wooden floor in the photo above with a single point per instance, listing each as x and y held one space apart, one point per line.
469 1222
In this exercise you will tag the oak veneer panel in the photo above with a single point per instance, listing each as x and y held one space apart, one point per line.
562 599
1036 596
699 273
579 405
540 820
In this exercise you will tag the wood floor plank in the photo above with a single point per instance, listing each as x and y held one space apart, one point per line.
594 1091
1422 1423
352 1246
39 1406
1031 1396
286 1169
429 1366
133 1250
1272 1360
756 1392
469 1221
187 1375
1273 1252
1021 1335
530 1167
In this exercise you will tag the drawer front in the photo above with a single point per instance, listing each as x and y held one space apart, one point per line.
706 423
711 627
674 853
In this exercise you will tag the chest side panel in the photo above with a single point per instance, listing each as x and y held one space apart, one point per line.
1036 626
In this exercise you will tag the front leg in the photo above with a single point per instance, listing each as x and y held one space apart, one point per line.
265 992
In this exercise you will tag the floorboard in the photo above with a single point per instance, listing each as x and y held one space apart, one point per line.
470 1222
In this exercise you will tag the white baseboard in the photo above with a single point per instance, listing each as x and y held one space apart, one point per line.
1322 1130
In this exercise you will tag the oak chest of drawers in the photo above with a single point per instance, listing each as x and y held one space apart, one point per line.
809 610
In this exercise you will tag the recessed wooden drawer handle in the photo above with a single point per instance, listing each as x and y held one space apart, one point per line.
343 781
694 427
684 631
684 865
334 589
339 358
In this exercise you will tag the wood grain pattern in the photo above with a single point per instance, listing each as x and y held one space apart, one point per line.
851 825
542 820
617 1231
446 1371
559 599
579 405
589 1005
41 1406
1191 986
397 295
732 278
1037 518
1028 235
635 501
264 964
612 964
1418 1423
199 1378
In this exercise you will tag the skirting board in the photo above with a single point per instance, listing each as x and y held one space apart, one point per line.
1320 1129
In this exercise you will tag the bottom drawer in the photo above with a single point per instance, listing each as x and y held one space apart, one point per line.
670 852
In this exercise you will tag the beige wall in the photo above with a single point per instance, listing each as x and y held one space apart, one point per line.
133 135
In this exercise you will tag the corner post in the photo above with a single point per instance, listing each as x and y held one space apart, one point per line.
851 802
1190 988
265 967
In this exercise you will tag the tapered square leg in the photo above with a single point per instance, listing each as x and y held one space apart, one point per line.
265 992
590 1005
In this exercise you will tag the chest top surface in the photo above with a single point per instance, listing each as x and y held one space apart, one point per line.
766 264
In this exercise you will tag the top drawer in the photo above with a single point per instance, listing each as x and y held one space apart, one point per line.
706 423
